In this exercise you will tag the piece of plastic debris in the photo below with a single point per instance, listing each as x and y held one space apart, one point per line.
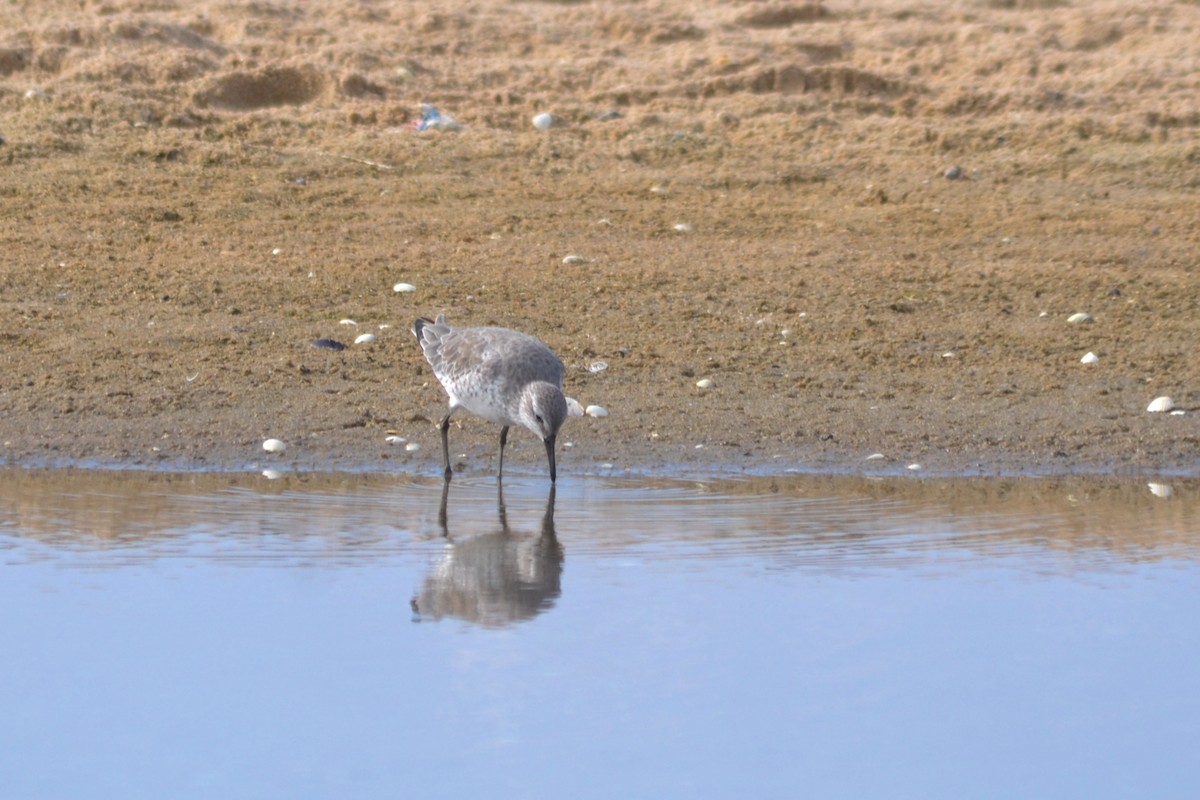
432 119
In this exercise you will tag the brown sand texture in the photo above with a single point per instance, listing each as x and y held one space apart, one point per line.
866 223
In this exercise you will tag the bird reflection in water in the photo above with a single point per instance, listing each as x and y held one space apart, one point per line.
494 579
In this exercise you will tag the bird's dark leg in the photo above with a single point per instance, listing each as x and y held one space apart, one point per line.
503 441
445 427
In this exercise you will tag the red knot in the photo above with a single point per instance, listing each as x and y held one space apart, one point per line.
506 377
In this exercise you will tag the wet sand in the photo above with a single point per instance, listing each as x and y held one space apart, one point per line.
867 224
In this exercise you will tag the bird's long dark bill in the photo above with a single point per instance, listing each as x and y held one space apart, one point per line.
549 440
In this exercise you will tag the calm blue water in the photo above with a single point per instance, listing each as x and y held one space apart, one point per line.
228 636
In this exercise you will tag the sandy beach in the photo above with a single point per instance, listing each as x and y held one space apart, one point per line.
869 225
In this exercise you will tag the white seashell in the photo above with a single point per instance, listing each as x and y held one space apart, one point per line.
597 366
365 338
383 326
543 121
1160 489
574 408
404 287
1044 314
393 439
914 467
274 446
874 457
1090 358
948 354
272 474
705 383
1161 404
596 411
574 261
1177 412
683 227
1080 317
277 251
347 322
412 447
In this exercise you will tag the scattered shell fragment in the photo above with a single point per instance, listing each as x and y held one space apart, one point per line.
347 321
874 457
597 366
1090 358
596 411
683 227
365 338
328 344
1075 319
394 439
574 408
276 251
574 261
412 447
705 383
543 121
274 446
1161 404
272 474
1161 489
948 354
914 467
403 287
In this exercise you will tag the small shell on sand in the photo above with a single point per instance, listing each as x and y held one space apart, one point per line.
274 446
574 408
574 261
365 338
1161 404
1075 319
1090 358
596 411
403 287
705 383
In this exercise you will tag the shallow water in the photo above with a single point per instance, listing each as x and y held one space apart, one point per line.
317 636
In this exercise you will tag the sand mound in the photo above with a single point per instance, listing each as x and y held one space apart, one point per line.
264 88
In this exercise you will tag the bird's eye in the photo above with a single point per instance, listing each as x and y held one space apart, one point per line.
538 417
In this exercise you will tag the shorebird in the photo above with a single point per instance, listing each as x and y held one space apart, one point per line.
504 376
